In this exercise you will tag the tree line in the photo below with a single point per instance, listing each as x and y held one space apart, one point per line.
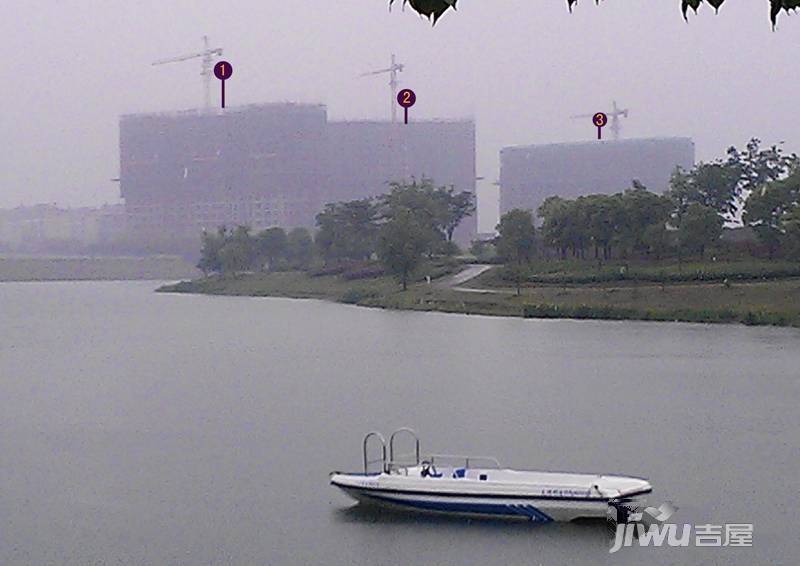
237 250
756 187
414 220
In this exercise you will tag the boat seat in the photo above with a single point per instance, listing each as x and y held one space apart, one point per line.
459 472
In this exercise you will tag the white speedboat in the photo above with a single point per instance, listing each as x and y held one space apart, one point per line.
480 486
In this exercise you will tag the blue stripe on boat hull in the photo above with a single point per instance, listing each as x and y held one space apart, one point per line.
507 510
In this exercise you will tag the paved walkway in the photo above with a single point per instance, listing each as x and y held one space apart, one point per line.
454 282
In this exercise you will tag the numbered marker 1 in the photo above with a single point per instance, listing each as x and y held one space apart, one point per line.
223 71
600 120
406 98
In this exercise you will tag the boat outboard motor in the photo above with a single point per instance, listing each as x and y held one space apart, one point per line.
623 508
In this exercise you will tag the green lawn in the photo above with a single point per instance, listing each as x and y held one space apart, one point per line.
582 272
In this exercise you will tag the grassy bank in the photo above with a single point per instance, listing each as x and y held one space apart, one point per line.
292 284
772 302
764 303
352 284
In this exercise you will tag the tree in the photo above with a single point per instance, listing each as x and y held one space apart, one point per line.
602 221
701 227
347 230
769 180
517 240
300 247
439 210
656 239
456 207
791 226
566 223
681 193
769 208
757 167
640 208
434 9
272 245
716 185
238 252
210 261
554 212
402 241
577 220
421 197
604 217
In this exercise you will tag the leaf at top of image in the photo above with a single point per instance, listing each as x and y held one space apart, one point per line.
431 9
434 9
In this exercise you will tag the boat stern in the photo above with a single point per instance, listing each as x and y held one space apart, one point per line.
624 487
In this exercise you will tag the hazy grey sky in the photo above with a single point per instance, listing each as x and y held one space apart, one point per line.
519 67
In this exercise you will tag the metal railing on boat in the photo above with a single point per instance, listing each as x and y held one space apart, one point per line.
400 463
382 459
468 460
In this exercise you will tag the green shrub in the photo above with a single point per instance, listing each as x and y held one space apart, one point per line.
368 271
579 312
617 313
331 269
180 287
762 318
356 296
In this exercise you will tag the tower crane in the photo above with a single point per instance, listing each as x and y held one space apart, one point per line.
207 56
392 70
614 116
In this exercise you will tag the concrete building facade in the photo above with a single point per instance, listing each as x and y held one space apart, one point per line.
273 165
365 156
182 173
530 174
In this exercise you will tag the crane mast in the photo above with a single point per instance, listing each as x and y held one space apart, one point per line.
208 57
392 71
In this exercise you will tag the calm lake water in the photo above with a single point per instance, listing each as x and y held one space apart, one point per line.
140 428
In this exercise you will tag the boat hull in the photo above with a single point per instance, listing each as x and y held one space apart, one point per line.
540 510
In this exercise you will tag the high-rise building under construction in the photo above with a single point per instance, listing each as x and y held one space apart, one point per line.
530 174
273 165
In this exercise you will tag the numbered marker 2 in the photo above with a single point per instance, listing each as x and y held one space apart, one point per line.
223 71
406 98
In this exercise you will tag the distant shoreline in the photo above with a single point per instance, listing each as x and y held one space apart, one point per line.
15 269
757 303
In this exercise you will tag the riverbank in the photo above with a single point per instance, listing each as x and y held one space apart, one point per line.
773 302
99 268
